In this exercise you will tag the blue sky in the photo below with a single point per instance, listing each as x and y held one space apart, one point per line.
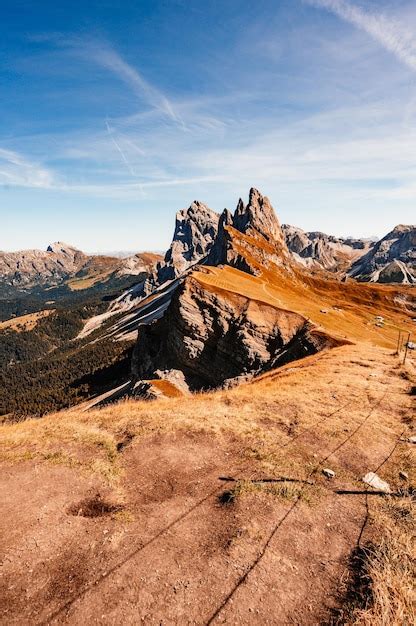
114 115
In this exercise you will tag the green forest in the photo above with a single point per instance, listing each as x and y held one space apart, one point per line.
46 368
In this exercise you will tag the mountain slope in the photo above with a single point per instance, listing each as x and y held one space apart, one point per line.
391 260
238 304
316 249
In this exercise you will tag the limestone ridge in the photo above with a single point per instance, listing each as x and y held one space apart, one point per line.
392 259
201 236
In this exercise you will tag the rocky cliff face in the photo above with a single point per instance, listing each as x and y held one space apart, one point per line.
392 259
219 338
318 250
196 229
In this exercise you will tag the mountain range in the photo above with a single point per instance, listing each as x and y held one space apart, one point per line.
232 298
61 262
389 260
235 295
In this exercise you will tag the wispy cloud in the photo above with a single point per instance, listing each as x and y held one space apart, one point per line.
18 171
110 59
114 141
387 31
131 190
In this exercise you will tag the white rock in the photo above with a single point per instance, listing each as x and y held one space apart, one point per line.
375 481
328 472
403 475
412 439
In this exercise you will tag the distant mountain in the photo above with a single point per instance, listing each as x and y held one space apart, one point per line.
61 262
318 250
390 260
26 268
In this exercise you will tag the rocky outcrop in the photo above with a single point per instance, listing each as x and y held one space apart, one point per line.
221 338
321 251
167 383
258 218
195 231
392 259
263 243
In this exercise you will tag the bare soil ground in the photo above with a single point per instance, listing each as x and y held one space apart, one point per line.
123 515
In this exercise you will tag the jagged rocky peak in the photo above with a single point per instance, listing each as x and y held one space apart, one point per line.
257 215
257 218
195 231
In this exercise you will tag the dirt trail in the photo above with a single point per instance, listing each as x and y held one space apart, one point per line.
157 546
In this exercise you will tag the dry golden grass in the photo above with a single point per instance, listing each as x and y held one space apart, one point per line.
25 322
381 590
388 597
280 425
326 394
390 567
77 284
285 490
350 308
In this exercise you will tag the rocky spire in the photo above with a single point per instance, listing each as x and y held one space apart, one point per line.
218 253
195 232
259 216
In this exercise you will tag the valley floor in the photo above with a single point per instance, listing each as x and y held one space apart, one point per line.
129 514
